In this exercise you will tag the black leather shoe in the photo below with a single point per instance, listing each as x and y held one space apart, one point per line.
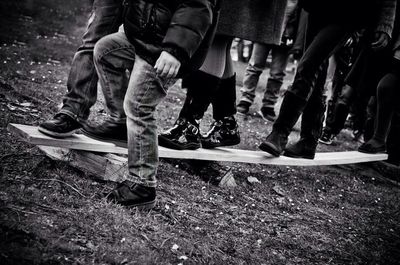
222 133
372 147
60 126
136 196
109 132
184 135
302 149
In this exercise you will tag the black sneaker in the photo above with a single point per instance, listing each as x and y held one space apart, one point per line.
108 131
60 126
243 107
136 196
184 135
267 113
222 133
327 137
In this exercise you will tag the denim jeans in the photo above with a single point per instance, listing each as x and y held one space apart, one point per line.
114 54
106 17
280 55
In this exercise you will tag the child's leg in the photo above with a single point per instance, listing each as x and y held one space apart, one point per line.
386 98
254 69
145 92
113 55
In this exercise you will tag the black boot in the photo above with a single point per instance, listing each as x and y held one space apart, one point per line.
291 109
224 98
200 89
184 135
60 126
311 128
108 131
223 132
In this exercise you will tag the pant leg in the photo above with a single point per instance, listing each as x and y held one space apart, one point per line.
253 71
327 41
113 55
145 92
280 56
314 112
106 17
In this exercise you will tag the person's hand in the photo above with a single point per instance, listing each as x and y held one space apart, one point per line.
167 66
381 40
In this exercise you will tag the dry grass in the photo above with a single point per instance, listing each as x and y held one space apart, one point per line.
51 213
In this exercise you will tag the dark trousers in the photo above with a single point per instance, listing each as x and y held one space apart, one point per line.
105 19
322 40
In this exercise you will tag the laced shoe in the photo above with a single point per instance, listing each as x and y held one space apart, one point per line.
136 196
184 135
60 126
326 137
222 132
108 131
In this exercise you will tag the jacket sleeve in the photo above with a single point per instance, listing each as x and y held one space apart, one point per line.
386 16
188 27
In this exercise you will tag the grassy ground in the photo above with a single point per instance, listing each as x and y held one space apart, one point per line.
51 213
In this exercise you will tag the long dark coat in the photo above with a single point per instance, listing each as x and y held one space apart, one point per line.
255 20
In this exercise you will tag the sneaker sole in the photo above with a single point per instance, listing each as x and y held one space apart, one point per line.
164 142
325 142
56 134
266 147
228 143
120 143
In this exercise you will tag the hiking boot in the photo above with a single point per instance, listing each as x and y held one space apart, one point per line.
372 147
267 113
327 137
243 107
60 126
222 133
302 149
135 196
108 131
184 135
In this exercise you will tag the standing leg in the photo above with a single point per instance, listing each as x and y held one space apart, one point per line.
253 71
280 56
311 121
387 99
145 91
82 80
325 43
113 55
224 130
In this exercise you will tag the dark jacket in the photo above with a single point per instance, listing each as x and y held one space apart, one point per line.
179 27
254 20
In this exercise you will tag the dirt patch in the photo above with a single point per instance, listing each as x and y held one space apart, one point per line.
51 213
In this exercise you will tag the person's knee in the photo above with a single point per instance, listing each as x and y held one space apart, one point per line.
386 86
100 49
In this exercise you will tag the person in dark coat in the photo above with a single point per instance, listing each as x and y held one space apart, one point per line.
330 24
215 82
160 43
387 94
